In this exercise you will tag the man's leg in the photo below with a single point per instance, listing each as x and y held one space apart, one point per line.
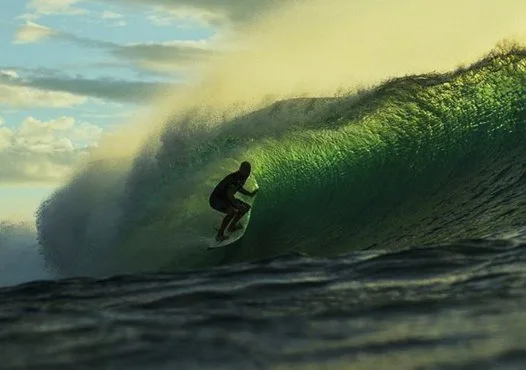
243 208
231 212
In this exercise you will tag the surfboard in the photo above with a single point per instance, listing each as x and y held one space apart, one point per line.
236 235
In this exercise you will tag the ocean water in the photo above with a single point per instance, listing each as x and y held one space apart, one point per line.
388 233
453 306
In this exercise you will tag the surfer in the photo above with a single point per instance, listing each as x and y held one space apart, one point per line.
222 199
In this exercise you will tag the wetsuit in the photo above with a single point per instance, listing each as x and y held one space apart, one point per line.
220 199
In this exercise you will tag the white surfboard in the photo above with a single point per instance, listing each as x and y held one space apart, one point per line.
236 235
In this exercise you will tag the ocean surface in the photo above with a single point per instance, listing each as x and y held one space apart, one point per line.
389 232
454 306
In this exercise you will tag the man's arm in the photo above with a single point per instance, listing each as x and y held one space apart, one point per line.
246 192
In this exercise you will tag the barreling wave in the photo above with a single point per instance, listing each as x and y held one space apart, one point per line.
418 159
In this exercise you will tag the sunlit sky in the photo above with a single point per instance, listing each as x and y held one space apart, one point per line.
72 70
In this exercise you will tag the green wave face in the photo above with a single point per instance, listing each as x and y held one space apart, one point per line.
421 159
418 160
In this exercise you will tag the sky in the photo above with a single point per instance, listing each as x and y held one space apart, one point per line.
73 70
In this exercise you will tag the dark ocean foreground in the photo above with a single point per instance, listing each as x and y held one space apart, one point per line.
452 306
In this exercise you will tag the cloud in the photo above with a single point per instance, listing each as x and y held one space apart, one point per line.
165 12
115 19
49 88
107 89
33 32
44 151
39 8
119 24
54 7
32 127
24 97
8 73
5 134
211 11
15 92
5 137
171 56
165 57
108 14
163 16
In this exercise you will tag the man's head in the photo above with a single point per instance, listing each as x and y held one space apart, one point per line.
245 168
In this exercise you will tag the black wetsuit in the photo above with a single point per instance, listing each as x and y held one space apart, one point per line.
219 199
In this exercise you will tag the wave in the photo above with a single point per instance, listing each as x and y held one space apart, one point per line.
416 160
